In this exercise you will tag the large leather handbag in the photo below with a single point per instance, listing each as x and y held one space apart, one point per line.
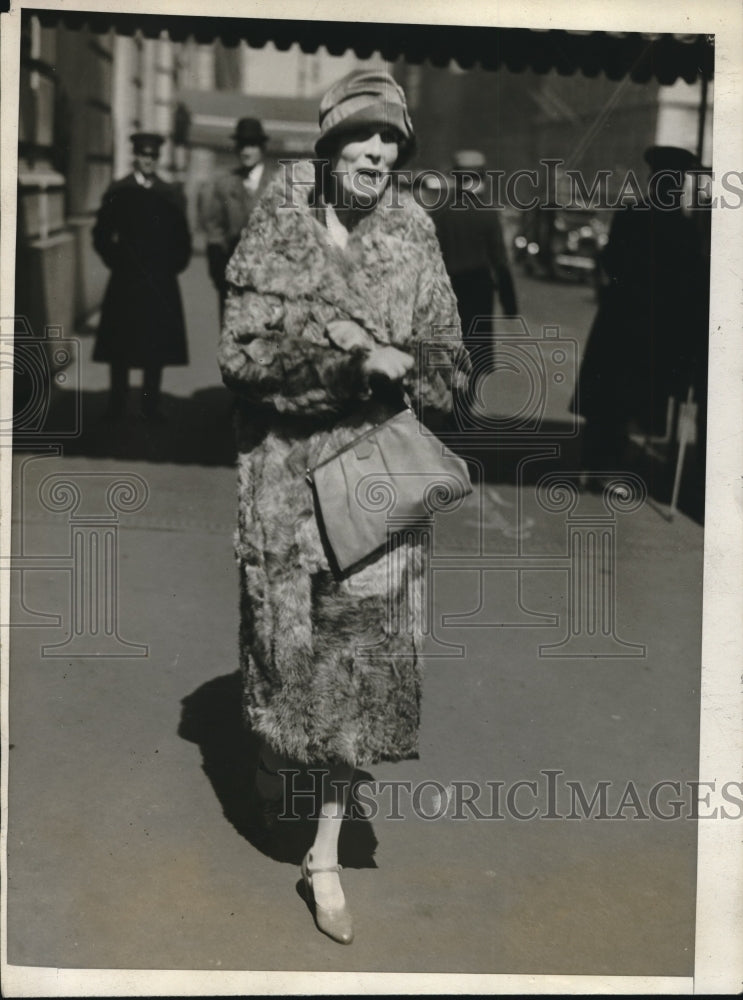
395 475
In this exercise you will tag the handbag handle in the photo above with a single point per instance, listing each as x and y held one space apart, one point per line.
359 442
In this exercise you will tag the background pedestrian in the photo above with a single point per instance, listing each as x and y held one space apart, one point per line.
142 236
225 204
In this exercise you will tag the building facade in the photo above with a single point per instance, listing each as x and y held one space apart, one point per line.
520 119
81 95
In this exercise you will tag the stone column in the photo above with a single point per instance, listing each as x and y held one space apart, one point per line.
592 569
94 502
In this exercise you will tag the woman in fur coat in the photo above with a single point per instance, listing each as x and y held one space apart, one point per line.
336 281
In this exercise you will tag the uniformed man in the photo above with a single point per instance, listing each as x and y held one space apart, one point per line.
142 236
226 203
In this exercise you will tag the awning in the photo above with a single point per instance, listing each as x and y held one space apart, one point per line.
664 57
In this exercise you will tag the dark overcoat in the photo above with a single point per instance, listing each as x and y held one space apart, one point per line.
331 664
143 238
649 336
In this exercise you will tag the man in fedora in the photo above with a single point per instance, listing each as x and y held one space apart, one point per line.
225 205
142 236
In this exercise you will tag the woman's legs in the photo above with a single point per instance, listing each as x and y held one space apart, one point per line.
335 785
320 867
336 779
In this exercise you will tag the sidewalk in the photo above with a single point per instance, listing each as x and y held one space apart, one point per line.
128 776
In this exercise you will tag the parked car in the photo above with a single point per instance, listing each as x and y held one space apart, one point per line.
561 243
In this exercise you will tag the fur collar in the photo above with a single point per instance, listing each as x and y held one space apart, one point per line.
285 250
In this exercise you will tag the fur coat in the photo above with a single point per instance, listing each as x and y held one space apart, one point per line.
330 663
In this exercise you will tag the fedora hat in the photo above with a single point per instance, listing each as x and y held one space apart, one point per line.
249 132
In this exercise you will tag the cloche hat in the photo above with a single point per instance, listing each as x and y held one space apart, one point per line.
364 97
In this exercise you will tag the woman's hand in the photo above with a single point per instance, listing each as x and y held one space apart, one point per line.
346 334
388 361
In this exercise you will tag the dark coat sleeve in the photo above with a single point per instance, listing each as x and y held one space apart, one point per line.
105 230
182 246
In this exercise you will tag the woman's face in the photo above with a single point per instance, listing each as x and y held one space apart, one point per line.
362 164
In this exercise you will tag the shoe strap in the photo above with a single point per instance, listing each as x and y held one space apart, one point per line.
331 868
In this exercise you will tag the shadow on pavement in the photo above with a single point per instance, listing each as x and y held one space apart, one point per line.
525 460
211 717
197 429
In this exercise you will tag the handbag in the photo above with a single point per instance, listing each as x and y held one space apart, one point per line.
392 476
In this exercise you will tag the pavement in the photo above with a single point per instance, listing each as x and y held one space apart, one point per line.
129 844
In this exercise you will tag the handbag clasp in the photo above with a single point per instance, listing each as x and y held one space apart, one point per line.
364 448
